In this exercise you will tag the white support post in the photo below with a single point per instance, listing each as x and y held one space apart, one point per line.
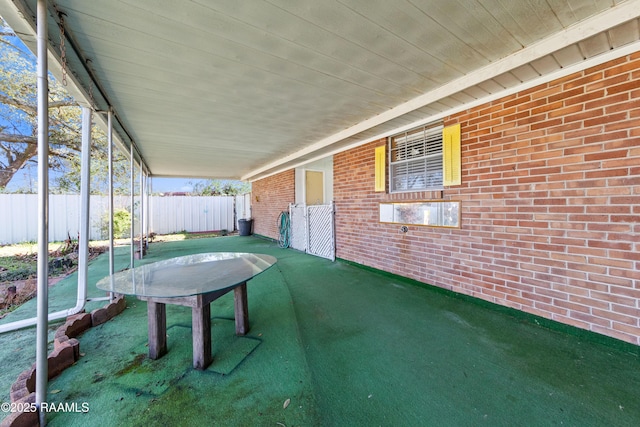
110 155
85 194
145 178
42 328
147 217
150 184
141 211
146 208
132 175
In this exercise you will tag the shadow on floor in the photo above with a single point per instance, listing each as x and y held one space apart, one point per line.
332 344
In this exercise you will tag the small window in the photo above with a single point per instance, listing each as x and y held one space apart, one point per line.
433 213
415 160
314 187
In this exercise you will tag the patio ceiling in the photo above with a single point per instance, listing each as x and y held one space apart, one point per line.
244 89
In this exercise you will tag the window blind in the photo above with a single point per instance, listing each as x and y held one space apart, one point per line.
415 159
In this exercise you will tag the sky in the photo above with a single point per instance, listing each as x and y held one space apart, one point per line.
166 185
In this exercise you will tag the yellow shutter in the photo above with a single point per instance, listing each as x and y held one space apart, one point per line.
451 161
381 166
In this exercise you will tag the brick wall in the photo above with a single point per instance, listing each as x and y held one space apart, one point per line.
269 197
550 205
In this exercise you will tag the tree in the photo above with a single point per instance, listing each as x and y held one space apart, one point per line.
69 180
216 187
18 125
18 113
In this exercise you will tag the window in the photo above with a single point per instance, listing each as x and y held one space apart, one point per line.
415 160
314 187
434 213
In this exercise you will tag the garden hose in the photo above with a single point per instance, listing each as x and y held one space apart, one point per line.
284 229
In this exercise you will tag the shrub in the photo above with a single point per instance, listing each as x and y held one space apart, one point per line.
121 224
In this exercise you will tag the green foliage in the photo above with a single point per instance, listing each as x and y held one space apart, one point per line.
19 274
121 224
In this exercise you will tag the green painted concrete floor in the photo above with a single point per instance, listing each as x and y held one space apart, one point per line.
343 345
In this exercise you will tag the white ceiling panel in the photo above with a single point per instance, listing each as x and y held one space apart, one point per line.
545 65
525 73
243 89
595 45
569 55
625 33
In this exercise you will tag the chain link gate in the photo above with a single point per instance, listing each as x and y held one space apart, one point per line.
313 230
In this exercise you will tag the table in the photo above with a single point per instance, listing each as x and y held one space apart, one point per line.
192 281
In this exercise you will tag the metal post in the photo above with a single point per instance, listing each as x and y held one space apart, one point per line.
85 192
146 218
150 184
145 198
141 211
110 155
147 206
132 175
42 370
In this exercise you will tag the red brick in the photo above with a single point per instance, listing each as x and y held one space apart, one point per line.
550 204
609 83
116 306
606 137
607 101
605 155
623 68
625 87
621 118
99 316
18 393
77 324
60 359
270 197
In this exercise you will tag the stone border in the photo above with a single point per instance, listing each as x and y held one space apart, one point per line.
66 352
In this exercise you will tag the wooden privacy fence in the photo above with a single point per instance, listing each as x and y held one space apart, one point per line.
19 215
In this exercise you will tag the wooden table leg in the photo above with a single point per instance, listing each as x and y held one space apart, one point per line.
201 329
157 314
241 309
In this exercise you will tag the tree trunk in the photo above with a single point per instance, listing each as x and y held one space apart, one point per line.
15 163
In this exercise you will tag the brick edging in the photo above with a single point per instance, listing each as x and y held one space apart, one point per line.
66 352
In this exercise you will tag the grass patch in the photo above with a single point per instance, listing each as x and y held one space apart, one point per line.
205 235
19 267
